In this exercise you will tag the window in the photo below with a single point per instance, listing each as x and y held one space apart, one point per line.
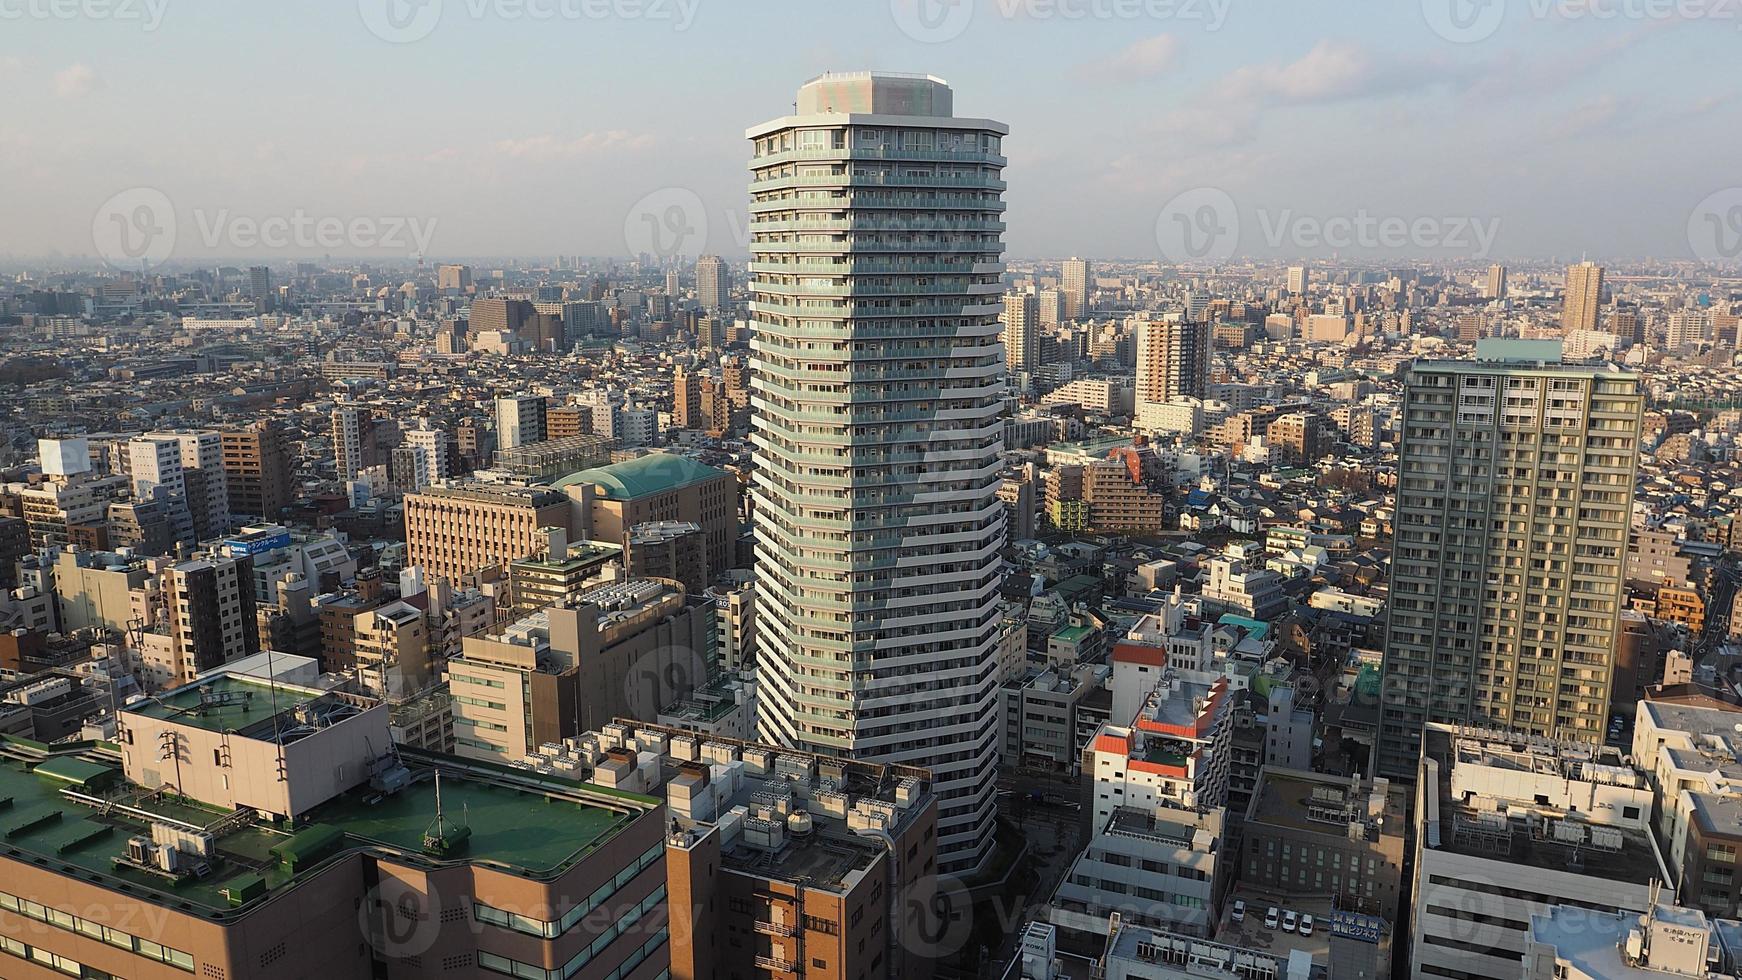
551 929
94 930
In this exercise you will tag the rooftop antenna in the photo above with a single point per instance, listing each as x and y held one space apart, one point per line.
277 735
443 838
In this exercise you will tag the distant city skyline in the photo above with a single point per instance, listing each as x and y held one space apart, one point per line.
1306 118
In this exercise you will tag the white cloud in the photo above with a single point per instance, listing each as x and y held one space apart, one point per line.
76 81
1596 114
549 147
1146 58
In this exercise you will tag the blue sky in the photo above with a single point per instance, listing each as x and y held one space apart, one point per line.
1578 129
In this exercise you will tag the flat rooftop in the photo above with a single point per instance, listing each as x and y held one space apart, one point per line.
1306 802
1182 832
520 829
1614 853
1177 708
522 823
1258 954
828 856
1591 941
581 554
225 703
824 860
1718 816
1694 719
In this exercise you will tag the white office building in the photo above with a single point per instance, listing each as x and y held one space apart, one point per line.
1507 827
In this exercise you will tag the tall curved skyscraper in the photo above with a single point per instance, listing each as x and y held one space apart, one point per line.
877 253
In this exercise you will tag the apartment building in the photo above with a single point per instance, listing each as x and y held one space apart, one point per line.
520 420
454 532
559 572
1047 715
354 441
1514 500
676 550
1158 786
258 470
1692 756
904 184
208 619
1244 587
624 648
1117 501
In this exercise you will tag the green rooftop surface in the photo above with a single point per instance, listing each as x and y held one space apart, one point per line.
535 831
643 476
77 837
1072 634
77 772
525 830
1257 628
224 703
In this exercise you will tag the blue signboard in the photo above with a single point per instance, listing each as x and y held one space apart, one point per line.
250 546
1352 925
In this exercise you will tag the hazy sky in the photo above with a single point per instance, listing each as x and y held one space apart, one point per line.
533 127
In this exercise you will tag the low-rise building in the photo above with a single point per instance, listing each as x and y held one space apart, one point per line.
1666 942
1509 826
1135 952
240 827
626 648
657 487
781 863
1339 838
1043 725
559 572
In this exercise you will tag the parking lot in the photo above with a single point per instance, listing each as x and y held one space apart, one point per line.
1253 933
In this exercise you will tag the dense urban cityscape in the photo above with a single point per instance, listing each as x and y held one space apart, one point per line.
846 594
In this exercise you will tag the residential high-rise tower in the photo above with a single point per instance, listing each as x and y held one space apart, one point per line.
1515 490
1021 332
1583 295
878 384
1173 360
713 282
1074 286
1495 287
